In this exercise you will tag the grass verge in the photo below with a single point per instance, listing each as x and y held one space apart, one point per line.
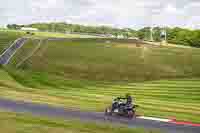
23 123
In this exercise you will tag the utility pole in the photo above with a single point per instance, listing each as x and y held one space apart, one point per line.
164 35
151 34
53 28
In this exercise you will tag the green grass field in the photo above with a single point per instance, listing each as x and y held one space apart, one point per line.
87 74
7 38
177 98
9 34
60 35
18 123
89 59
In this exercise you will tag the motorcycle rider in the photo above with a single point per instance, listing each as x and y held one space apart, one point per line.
116 102
129 99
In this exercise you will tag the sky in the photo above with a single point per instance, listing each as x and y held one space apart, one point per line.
117 13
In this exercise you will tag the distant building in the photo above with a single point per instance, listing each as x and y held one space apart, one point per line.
29 29
3 26
135 38
109 35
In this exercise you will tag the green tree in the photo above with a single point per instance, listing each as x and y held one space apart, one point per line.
144 33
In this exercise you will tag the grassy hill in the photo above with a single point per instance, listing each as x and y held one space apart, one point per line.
7 38
88 73
60 35
94 59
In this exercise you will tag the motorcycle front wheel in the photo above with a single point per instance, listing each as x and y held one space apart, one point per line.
108 111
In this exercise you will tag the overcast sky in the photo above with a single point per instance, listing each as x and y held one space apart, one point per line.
118 13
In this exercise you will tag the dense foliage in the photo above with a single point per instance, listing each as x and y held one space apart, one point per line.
176 35
184 37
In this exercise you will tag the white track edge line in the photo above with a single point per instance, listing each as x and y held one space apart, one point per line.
154 119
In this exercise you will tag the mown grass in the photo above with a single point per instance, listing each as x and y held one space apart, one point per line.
18 123
7 38
38 34
59 35
94 60
87 74
25 52
155 98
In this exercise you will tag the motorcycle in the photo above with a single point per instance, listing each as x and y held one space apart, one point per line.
121 109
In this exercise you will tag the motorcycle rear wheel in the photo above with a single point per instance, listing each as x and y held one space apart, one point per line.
130 114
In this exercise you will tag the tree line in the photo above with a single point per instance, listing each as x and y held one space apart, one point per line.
175 35
76 28
179 36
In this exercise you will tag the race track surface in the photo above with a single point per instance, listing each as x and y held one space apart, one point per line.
58 112
7 55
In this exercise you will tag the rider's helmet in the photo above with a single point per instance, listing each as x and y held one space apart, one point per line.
128 95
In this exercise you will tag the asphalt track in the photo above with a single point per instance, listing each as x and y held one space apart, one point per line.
7 55
63 113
